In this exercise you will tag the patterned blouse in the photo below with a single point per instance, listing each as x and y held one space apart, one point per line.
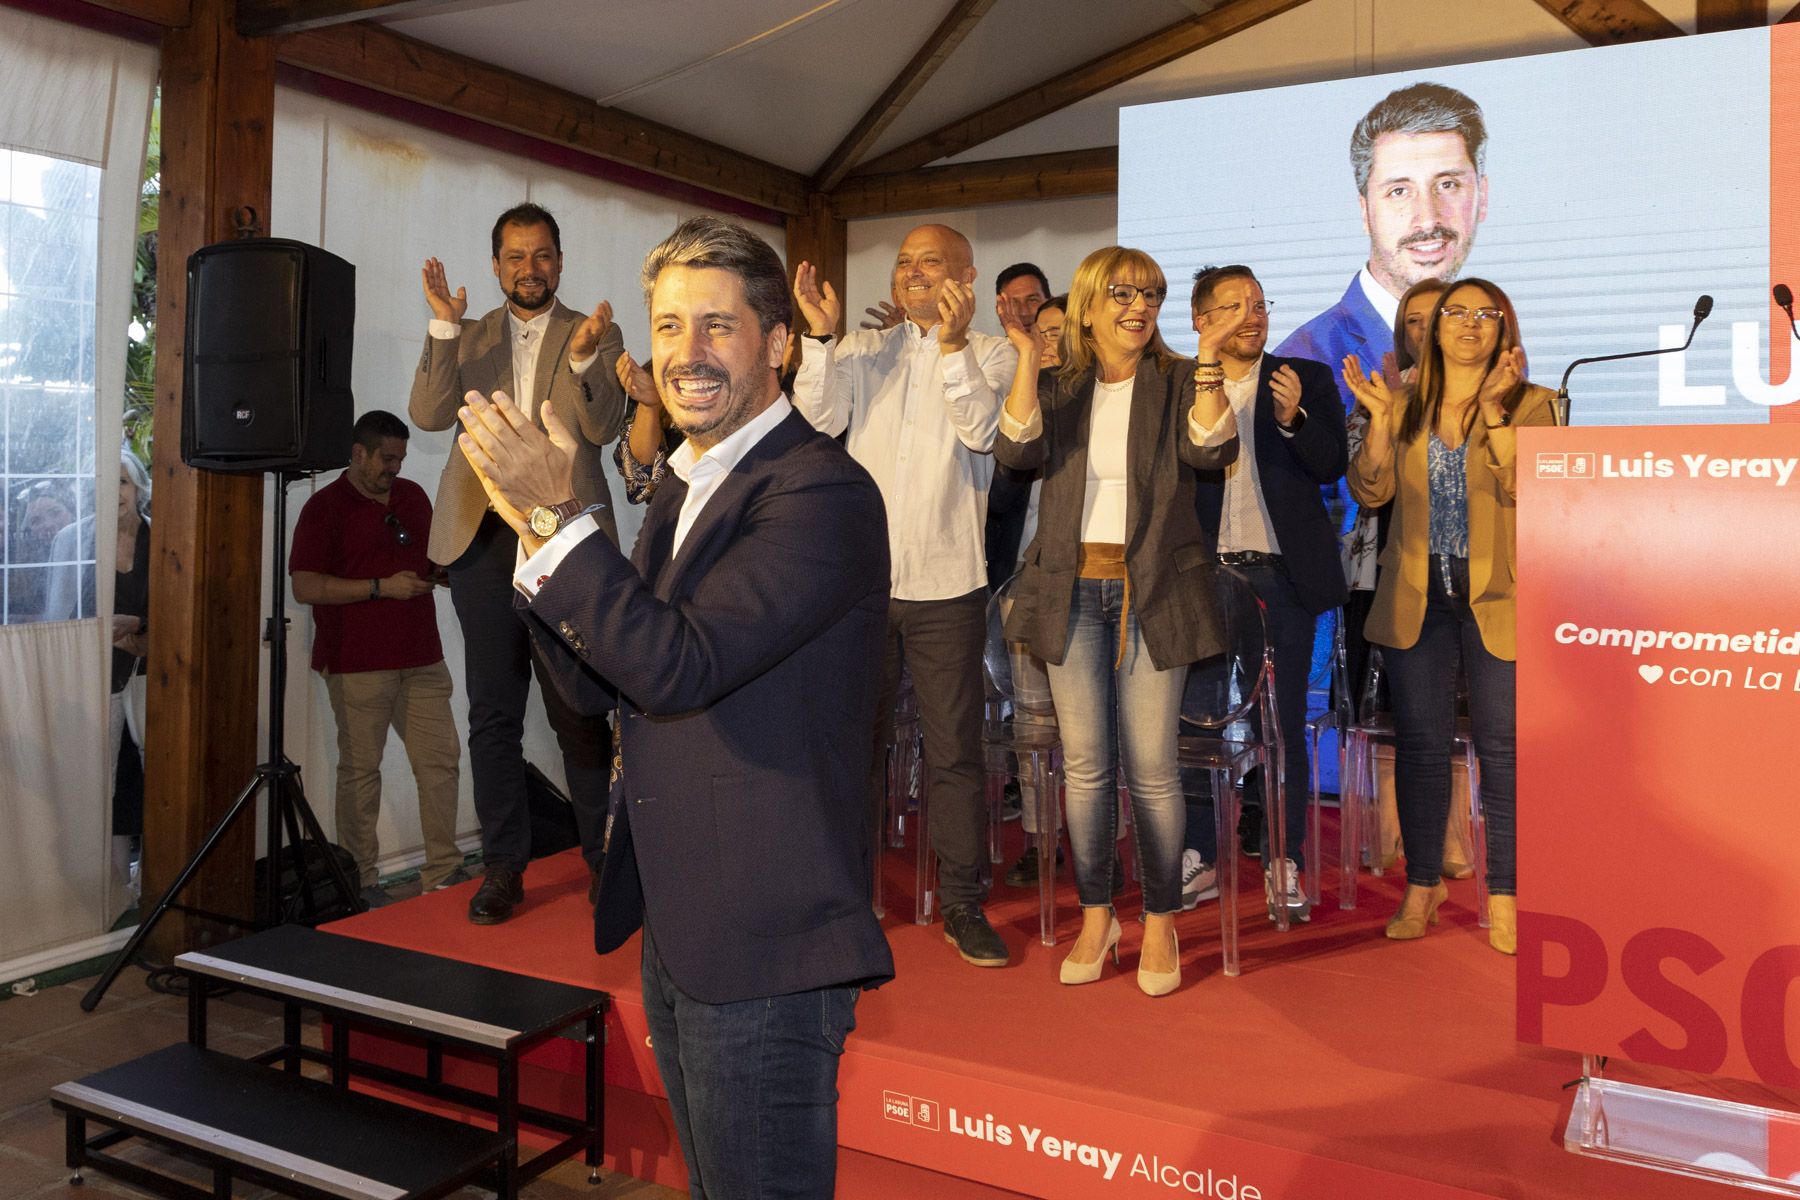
1449 475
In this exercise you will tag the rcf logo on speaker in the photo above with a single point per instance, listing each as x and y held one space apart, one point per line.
909 1110
1565 466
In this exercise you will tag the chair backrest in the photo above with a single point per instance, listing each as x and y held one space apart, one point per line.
1013 674
1229 687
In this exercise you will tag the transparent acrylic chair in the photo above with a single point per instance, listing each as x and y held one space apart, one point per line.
1021 725
1337 717
1218 737
906 798
1359 784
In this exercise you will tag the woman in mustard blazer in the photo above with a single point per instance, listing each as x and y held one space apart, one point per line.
1444 452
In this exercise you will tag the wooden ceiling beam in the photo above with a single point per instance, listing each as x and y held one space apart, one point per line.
373 57
271 18
1090 79
1092 172
169 14
1716 16
944 40
1611 22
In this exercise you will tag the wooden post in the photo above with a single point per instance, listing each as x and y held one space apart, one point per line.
218 110
818 236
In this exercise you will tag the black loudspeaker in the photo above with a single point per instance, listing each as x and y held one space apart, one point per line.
266 382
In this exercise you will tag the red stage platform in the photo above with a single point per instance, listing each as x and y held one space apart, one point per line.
1337 1065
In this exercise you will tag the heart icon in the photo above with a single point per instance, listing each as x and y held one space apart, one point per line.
1650 673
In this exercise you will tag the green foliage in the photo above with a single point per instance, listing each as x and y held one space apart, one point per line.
140 356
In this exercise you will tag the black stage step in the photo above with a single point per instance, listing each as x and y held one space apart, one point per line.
457 1001
303 1132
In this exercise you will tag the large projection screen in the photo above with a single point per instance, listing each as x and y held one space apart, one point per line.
1621 184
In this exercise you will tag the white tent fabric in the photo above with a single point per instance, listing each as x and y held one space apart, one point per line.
78 95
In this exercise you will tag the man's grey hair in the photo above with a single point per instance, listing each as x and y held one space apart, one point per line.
710 242
1419 108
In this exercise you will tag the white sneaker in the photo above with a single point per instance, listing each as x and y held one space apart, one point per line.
1298 908
1199 881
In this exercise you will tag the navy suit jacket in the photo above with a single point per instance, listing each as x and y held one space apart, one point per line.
1292 471
1351 326
747 673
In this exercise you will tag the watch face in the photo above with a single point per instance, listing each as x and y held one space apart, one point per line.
544 522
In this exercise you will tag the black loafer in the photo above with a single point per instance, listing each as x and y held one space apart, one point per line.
1024 873
502 889
966 927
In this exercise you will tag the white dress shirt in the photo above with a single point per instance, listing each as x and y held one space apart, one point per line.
1244 515
703 473
922 424
1385 302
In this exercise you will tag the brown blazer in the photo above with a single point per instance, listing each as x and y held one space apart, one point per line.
1400 595
1166 555
481 360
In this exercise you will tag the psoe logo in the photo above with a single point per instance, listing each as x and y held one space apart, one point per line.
1565 466
910 1110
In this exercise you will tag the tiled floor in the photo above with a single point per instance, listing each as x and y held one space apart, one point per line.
45 1039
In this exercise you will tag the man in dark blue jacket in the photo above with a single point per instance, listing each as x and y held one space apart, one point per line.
1266 514
744 638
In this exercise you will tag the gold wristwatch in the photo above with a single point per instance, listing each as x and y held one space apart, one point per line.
545 522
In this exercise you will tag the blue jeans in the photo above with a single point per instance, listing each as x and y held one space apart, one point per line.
1422 680
1093 699
752 1085
1291 629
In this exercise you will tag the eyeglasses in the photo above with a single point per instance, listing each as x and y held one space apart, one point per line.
1124 293
1466 316
1261 308
399 530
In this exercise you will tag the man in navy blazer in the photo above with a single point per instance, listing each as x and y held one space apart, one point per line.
744 639
1266 515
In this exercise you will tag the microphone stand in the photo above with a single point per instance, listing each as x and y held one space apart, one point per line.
1701 312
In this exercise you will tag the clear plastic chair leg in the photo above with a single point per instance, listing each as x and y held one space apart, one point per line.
1225 818
923 859
1350 818
1046 786
1478 833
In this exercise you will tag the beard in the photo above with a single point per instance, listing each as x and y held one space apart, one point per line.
1402 268
737 400
531 294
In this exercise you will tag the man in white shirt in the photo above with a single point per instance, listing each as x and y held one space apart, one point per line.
920 404
539 350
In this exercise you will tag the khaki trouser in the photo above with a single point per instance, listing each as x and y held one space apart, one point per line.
416 703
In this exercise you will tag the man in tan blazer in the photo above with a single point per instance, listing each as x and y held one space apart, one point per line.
535 349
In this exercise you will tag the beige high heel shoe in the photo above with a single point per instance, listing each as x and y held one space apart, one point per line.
1073 972
1503 923
1418 909
1161 983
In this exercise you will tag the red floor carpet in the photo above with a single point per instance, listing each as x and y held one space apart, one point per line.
1338 1064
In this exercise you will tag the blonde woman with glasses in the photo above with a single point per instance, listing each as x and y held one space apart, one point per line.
1117 594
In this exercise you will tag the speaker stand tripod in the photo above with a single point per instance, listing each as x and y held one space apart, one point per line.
289 815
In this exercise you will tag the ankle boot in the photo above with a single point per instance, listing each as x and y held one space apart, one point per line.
1418 909
1503 923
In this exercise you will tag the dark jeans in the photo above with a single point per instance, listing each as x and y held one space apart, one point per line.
1422 679
1291 629
752 1085
498 663
940 642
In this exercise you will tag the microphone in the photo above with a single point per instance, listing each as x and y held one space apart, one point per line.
1702 310
1784 299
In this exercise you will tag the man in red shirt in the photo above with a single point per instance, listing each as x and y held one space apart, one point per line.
359 560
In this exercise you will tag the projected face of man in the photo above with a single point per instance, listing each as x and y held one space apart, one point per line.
1420 209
